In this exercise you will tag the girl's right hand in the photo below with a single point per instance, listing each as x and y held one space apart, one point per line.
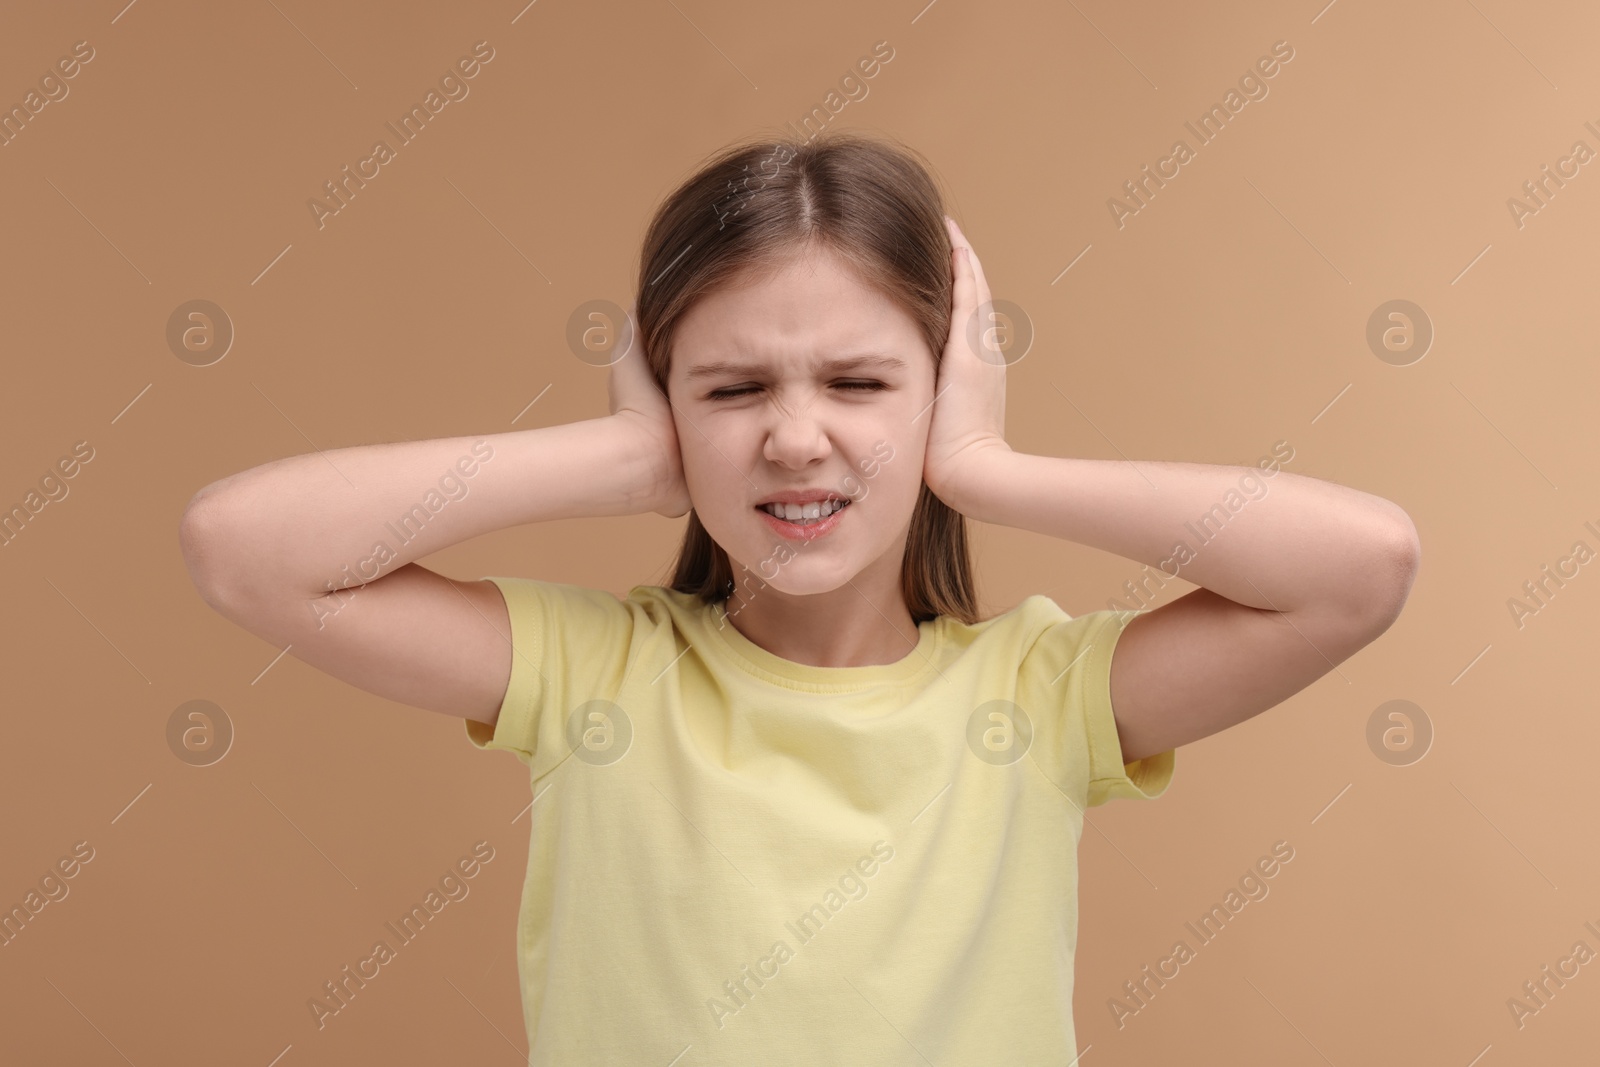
636 399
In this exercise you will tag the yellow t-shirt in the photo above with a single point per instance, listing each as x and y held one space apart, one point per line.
736 859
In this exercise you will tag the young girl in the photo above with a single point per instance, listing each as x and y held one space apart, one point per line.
804 806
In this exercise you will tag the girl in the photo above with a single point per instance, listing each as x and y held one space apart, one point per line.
804 806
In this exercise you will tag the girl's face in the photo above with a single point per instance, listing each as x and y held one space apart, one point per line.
807 381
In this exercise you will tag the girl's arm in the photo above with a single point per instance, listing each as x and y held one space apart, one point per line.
1294 581
316 552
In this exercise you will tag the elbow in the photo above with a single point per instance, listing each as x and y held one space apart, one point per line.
1397 556
202 538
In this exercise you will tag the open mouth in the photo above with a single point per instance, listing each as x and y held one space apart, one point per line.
809 520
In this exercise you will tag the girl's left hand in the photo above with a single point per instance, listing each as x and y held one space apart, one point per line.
969 409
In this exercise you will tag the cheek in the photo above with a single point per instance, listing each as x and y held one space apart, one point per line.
887 472
714 458
902 481
692 443
698 475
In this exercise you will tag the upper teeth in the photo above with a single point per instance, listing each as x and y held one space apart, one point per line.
795 512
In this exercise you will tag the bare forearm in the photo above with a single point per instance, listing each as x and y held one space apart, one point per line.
308 523
1278 541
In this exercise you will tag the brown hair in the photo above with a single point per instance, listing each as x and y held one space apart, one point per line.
745 212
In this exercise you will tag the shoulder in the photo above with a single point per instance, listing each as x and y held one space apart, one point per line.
1038 634
1024 621
557 593
1008 635
572 613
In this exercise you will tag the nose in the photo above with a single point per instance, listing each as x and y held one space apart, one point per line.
796 435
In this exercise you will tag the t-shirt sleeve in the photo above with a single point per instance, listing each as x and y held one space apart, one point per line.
1064 686
569 645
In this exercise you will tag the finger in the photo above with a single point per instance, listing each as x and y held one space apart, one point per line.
961 265
982 302
964 297
981 281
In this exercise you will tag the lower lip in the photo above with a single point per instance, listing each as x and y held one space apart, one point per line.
794 532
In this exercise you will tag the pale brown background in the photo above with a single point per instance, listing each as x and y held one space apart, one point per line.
1224 317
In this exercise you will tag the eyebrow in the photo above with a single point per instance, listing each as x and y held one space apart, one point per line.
721 367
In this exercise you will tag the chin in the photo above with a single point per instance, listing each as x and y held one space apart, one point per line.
798 577
794 584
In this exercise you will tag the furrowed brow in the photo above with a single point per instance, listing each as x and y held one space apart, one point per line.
733 368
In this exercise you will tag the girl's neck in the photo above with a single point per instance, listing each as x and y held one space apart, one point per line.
862 623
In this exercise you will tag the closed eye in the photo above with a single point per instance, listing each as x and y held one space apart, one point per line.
727 394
